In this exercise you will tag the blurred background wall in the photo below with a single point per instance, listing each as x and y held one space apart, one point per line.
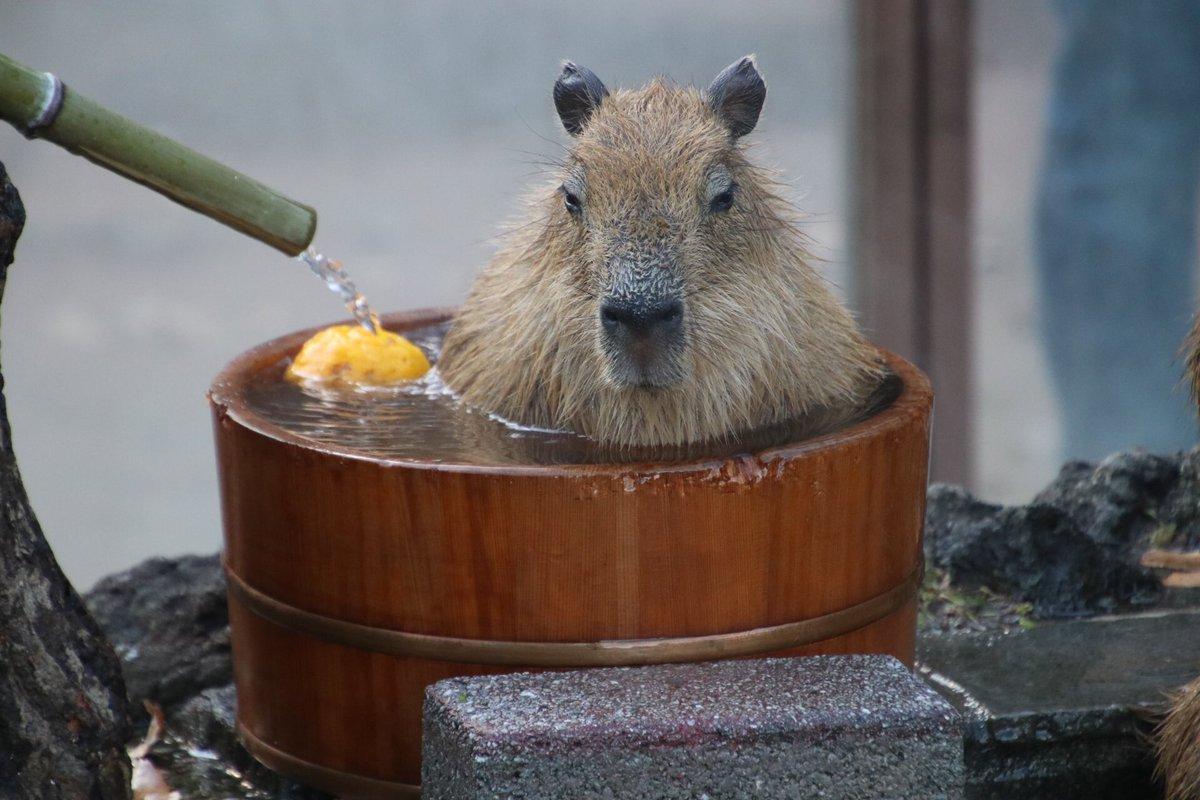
413 129
1017 431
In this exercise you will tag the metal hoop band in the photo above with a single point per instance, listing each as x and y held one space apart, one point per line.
610 653
330 780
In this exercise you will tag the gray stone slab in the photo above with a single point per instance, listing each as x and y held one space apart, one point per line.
830 727
1064 710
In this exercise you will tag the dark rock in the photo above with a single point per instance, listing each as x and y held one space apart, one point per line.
1063 711
1036 553
63 716
1115 502
1178 516
1075 549
201 756
209 720
169 622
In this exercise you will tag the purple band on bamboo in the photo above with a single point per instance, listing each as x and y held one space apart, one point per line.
51 105
610 653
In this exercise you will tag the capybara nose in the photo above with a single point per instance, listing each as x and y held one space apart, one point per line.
641 319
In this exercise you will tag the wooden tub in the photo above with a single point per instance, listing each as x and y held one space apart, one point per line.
355 582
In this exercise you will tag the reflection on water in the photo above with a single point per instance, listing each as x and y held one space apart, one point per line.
423 421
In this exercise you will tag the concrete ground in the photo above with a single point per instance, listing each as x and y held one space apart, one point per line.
413 129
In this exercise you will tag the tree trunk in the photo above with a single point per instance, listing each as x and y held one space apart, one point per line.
63 716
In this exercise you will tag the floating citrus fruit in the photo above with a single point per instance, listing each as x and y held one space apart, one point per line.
350 354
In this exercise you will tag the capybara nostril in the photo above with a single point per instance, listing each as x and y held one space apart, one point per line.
641 318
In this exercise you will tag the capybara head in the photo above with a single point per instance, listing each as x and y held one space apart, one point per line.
659 291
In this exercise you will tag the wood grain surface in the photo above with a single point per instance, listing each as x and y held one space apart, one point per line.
539 554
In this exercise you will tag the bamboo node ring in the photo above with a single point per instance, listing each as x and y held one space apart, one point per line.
52 102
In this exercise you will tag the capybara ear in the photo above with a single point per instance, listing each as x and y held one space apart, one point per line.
577 93
737 95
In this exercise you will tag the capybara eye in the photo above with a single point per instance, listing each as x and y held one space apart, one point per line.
722 202
572 201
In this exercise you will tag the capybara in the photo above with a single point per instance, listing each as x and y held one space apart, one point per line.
658 292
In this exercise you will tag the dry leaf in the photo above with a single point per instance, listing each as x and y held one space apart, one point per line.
1182 580
1170 559
148 782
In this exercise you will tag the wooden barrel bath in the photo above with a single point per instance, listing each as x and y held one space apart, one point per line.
355 581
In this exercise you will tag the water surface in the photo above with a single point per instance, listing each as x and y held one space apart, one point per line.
424 421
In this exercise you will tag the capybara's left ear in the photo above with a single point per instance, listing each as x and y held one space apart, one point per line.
737 95
577 93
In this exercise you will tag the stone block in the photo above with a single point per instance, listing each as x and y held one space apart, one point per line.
830 727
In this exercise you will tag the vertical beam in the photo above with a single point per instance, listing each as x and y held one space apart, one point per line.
912 212
948 208
885 173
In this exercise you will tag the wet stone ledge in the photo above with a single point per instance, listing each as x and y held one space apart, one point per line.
1041 622
1064 710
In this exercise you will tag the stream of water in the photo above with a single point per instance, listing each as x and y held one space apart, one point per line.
338 280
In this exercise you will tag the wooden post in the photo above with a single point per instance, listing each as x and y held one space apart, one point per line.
912 216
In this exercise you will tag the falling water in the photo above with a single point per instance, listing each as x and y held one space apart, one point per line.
335 277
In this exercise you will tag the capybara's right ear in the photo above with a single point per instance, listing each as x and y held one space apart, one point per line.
737 95
577 93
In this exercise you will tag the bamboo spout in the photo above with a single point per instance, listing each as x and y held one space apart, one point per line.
39 106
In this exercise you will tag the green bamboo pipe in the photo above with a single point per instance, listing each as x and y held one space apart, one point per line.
40 106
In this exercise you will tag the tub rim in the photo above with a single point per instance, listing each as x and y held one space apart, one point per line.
226 395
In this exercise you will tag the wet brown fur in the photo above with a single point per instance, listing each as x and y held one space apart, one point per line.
1177 739
766 339
1191 355
1178 745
